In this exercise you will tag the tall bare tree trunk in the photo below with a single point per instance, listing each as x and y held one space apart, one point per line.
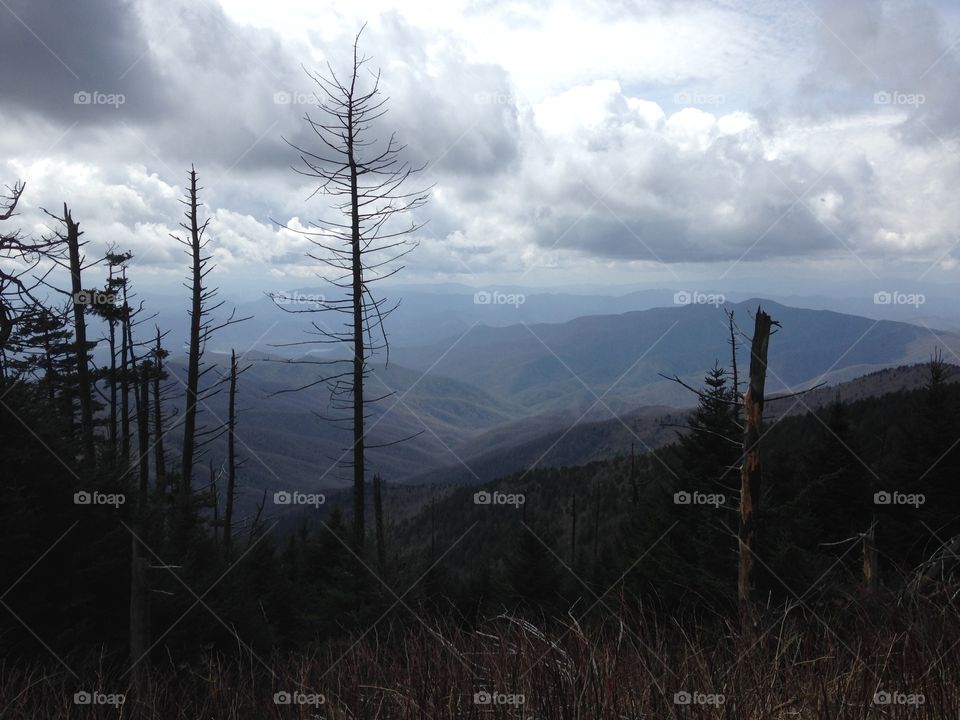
113 383
734 369
139 590
750 470
126 342
193 358
368 184
359 489
80 332
159 460
231 457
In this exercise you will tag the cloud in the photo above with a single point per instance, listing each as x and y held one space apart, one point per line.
97 49
557 135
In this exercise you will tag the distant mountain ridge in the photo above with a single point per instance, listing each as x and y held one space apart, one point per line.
620 358
497 399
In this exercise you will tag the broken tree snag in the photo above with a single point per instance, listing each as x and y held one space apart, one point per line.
750 470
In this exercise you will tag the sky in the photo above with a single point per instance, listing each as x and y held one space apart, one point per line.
601 143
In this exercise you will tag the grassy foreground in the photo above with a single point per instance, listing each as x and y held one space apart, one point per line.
874 664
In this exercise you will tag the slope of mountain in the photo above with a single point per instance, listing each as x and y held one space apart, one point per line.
502 399
620 357
495 454
565 441
288 439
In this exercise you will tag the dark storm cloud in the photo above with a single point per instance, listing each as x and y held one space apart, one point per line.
209 91
95 51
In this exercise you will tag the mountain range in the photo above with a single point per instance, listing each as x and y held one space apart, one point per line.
497 399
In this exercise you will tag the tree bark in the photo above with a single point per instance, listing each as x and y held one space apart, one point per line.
159 460
193 357
750 470
231 457
139 590
80 332
359 489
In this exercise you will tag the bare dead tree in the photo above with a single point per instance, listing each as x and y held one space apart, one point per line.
159 374
232 464
203 304
734 369
367 180
750 469
139 581
70 237
112 314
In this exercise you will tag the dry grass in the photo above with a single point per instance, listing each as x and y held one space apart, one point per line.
789 667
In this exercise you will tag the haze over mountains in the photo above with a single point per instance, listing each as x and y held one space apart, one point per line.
492 400
434 313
